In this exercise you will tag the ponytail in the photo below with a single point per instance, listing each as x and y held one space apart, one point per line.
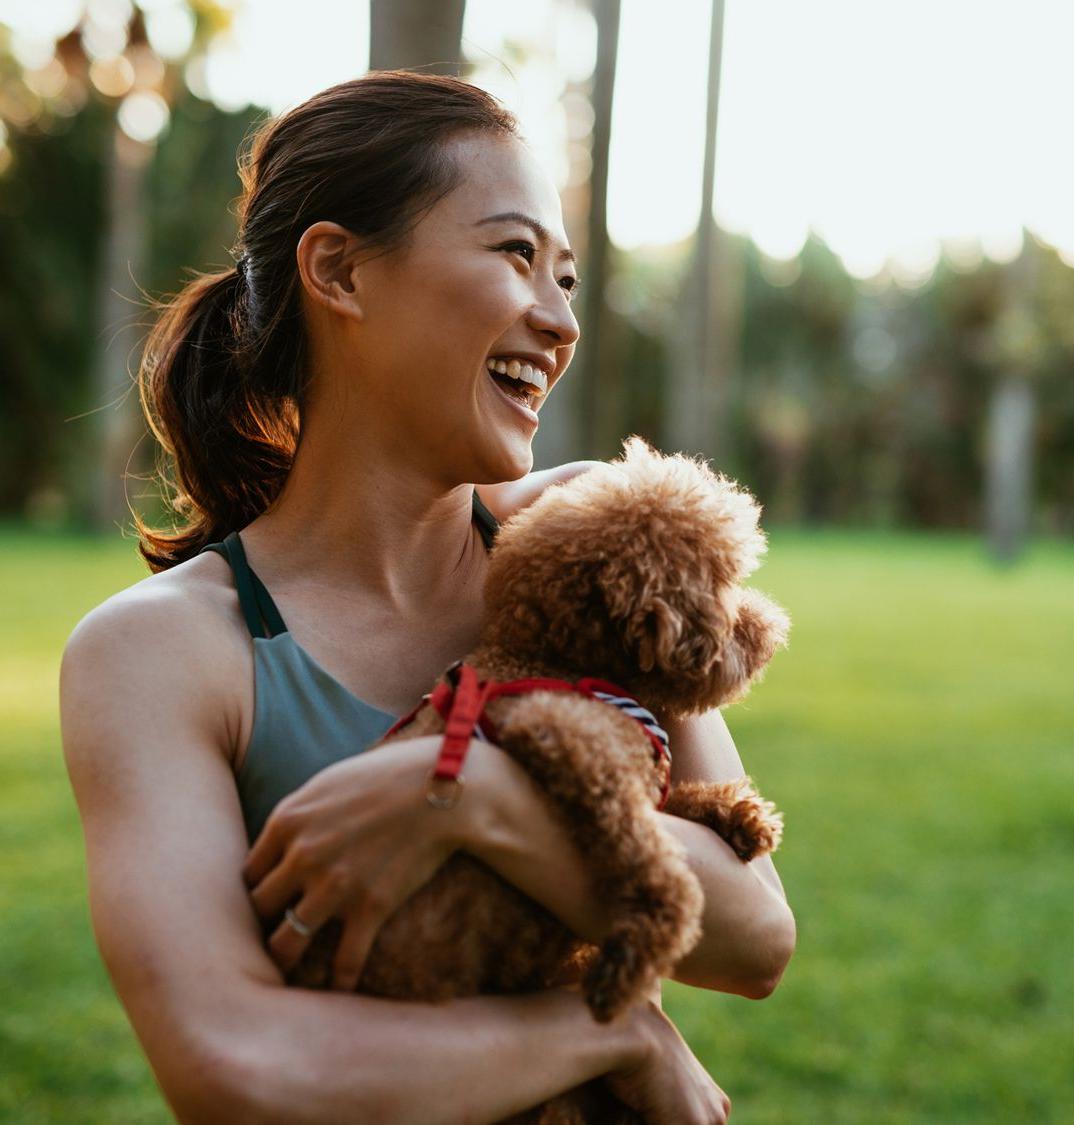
231 439
224 373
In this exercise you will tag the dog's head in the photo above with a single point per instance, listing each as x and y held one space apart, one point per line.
631 572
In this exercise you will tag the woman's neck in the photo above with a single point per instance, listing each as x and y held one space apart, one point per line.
380 526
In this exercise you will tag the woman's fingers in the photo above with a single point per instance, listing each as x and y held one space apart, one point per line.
288 944
267 850
392 886
353 951
276 890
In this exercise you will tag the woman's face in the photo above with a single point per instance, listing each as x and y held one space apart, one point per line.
472 284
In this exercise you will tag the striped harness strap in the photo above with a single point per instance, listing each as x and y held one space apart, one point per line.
461 703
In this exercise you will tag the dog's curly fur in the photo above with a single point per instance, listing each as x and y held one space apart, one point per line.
630 572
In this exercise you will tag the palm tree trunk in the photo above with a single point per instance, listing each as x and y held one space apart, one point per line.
1008 481
119 420
597 382
416 34
704 345
1009 470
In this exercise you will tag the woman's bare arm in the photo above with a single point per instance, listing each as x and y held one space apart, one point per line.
703 750
748 928
143 729
510 496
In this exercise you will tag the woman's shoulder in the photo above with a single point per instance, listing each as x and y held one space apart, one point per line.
193 599
175 637
511 496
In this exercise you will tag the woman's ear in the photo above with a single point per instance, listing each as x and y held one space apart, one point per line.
327 258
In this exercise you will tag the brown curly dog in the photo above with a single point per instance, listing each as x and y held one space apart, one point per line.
630 572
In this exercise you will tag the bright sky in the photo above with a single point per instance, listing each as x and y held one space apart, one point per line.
888 126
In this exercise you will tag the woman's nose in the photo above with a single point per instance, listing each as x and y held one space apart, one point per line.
554 316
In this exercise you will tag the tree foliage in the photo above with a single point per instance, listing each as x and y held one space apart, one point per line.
53 222
849 402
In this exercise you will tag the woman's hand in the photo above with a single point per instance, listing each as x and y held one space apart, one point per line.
355 842
664 1082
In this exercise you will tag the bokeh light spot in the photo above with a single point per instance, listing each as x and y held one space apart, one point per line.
143 115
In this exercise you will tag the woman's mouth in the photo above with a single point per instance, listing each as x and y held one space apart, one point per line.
521 384
519 373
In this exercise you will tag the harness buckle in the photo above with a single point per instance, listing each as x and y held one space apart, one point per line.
443 792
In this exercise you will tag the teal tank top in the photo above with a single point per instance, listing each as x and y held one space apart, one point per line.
304 718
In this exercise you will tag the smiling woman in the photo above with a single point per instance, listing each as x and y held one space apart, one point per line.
328 408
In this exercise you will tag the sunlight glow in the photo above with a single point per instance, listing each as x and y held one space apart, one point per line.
895 130
170 29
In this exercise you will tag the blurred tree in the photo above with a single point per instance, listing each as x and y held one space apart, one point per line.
51 210
1009 441
416 35
791 337
706 335
143 90
597 383
855 402
118 422
1009 465
77 205
1053 298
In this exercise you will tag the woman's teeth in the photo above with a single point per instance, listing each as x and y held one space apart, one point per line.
516 369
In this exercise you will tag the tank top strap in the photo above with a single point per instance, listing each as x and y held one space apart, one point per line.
487 524
258 608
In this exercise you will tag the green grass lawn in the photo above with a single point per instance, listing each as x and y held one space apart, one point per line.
919 736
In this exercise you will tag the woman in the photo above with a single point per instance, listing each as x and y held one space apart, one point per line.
330 400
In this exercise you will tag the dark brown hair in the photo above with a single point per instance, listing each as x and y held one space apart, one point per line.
224 374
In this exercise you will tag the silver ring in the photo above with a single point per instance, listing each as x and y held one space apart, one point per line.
299 926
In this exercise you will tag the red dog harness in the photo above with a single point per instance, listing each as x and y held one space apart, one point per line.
461 703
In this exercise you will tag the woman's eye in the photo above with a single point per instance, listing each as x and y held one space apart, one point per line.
528 247
570 284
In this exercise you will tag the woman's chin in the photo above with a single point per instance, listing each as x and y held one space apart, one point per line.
511 459
504 437
517 467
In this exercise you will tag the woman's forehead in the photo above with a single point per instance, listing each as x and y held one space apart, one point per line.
502 177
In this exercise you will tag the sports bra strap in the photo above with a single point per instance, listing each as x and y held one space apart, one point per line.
258 608
487 524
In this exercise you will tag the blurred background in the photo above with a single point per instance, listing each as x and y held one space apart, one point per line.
827 245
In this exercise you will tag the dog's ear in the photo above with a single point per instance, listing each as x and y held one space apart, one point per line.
686 537
673 630
655 633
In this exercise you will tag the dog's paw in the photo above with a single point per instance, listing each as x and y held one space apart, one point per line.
754 826
732 809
